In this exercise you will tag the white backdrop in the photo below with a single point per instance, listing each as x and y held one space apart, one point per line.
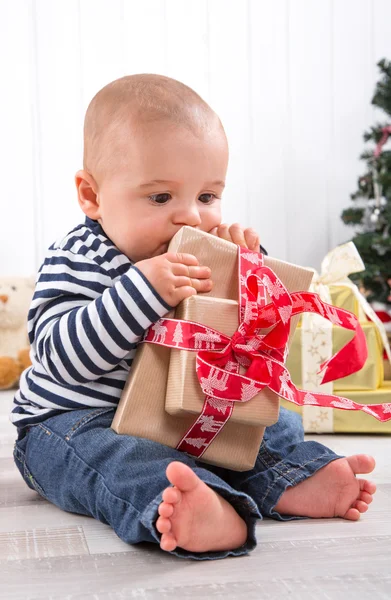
291 80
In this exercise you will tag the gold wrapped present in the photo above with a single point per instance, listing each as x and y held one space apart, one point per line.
387 369
142 408
317 419
344 297
370 377
334 287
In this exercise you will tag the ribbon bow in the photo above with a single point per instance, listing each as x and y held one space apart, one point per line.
336 266
261 352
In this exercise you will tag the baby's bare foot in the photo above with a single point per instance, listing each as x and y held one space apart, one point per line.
194 517
333 491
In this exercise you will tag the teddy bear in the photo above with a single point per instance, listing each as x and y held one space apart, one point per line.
15 298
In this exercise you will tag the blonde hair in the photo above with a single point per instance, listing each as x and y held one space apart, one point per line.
138 100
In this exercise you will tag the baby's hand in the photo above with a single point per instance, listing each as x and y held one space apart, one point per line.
176 276
246 238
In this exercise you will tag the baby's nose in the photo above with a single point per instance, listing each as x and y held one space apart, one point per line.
4 298
190 217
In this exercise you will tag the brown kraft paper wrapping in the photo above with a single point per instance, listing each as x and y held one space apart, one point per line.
141 411
184 394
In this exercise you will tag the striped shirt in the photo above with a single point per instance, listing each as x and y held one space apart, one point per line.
90 309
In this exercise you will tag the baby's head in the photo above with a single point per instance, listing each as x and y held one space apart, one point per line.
155 159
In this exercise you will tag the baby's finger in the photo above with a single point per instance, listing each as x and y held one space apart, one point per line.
237 235
252 239
181 257
223 232
200 285
183 292
213 231
191 271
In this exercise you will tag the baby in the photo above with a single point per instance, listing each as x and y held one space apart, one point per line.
155 159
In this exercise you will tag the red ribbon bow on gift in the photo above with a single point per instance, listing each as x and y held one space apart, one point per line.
261 353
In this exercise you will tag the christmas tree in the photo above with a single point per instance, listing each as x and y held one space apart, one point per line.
371 215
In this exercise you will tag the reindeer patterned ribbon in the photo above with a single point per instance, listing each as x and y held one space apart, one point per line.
263 355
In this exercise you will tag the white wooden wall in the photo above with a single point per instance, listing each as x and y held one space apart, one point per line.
291 79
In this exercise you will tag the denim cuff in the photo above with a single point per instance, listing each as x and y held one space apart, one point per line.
242 503
284 479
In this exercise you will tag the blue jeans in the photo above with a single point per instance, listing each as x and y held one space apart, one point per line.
76 461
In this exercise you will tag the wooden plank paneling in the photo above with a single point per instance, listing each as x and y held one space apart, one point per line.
17 144
267 152
13 490
144 31
42 543
102 45
352 89
187 41
292 81
101 539
381 46
307 140
58 117
302 565
229 62
381 29
47 553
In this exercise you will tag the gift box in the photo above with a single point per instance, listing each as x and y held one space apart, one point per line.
319 338
344 297
142 408
219 309
334 287
317 419
370 377
387 369
184 394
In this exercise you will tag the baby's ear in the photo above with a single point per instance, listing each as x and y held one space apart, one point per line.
87 194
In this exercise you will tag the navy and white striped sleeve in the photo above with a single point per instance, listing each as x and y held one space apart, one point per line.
81 324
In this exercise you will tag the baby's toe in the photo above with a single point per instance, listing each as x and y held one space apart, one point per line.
360 506
168 542
352 514
365 497
165 509
367 486
172 495
163 525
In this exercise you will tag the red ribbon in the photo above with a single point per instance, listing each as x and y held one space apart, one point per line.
386 131
262 353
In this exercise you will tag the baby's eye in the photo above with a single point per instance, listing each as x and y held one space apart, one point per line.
207 198
13 288
160 198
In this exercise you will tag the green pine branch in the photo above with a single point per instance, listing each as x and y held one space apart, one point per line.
382 95
371 217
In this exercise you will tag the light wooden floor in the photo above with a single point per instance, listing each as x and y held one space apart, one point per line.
46 553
